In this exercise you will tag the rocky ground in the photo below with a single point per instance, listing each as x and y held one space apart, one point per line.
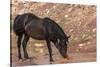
83 52
79 21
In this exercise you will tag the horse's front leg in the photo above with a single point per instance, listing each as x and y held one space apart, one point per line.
24 44
50 50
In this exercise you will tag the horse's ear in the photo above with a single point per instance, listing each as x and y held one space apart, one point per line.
67 39
69 36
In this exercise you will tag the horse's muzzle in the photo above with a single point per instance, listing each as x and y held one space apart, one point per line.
66 57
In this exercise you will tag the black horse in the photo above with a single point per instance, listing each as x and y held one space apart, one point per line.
28 25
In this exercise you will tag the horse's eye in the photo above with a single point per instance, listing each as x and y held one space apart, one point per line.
64 41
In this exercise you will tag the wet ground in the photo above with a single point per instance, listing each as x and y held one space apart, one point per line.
38 53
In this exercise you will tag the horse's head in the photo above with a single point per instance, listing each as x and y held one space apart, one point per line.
62 46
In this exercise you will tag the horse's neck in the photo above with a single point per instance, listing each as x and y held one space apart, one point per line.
60 34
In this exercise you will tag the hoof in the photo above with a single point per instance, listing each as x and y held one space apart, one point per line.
20 57
51 63
51 60
26 57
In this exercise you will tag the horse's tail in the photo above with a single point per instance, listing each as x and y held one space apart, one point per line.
18 24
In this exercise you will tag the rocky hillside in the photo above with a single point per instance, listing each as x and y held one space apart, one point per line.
79 21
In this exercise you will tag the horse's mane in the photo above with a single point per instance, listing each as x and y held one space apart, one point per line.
56 28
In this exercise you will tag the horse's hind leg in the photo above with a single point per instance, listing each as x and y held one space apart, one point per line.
19 46
24 44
